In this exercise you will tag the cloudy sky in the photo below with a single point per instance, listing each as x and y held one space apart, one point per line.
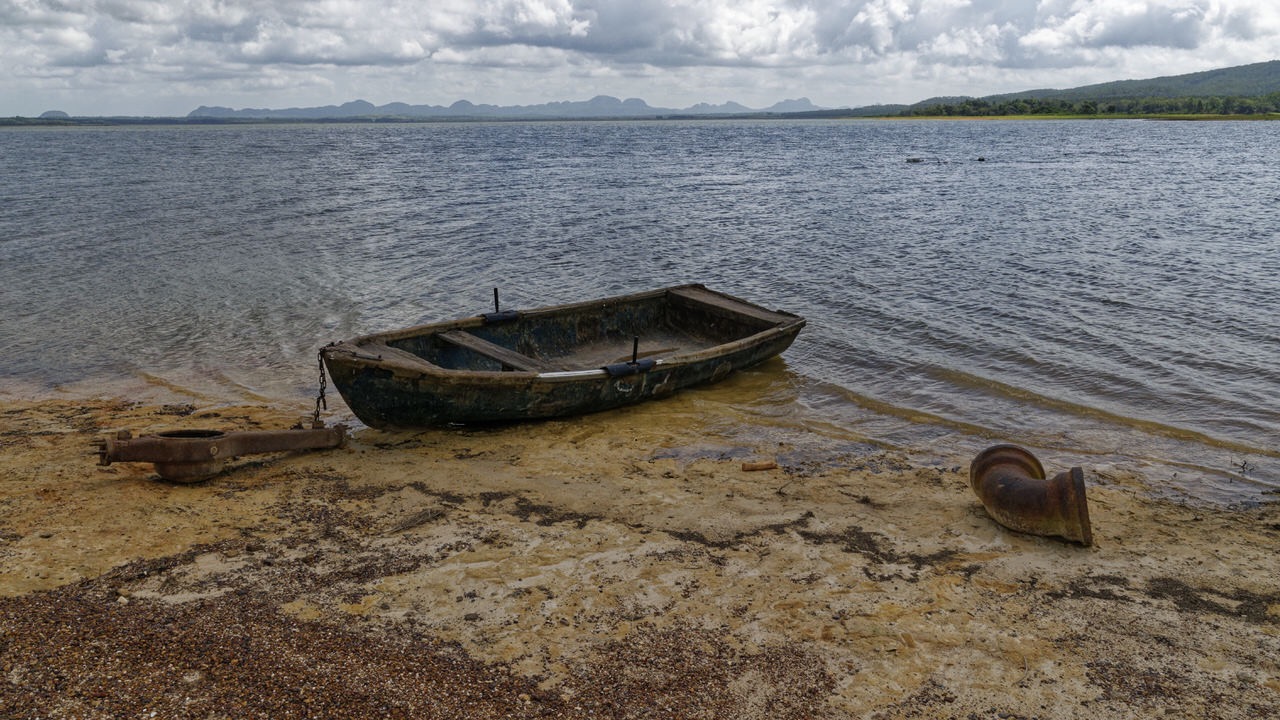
166 57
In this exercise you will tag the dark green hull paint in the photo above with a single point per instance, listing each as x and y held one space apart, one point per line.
547 363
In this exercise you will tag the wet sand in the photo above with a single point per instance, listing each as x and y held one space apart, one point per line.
618 565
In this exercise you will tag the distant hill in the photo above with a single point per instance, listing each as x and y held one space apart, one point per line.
1258 80
601 106
1241 81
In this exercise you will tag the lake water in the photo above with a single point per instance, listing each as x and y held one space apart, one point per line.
1104 292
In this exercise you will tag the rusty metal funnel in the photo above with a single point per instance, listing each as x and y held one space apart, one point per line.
1011 484
188 456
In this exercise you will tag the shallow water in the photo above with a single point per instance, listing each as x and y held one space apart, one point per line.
1103 292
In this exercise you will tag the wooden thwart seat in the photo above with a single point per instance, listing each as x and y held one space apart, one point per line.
508 357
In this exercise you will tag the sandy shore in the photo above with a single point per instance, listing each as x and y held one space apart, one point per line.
619 565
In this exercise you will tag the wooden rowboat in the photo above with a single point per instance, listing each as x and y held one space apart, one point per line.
562 360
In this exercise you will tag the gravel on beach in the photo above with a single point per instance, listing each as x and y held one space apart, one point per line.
625 566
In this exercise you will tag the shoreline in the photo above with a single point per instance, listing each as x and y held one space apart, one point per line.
81 122
616 565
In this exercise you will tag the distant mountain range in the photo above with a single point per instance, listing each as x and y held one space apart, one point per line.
601 106
1244 81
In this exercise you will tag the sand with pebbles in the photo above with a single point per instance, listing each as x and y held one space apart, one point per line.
619 565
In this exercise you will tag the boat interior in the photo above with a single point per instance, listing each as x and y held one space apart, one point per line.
587 336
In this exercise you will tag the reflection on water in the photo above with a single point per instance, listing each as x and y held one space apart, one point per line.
1101 291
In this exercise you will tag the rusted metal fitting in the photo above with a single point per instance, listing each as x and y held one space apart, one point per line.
1011 484
188 456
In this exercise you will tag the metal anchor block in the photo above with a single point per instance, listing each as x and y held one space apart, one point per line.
188 456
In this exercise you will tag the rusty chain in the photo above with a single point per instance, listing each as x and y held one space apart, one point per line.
320 399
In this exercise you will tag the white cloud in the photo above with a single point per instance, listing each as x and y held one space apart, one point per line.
104 55
1123 24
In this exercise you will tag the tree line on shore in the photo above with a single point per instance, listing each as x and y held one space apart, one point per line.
1212 105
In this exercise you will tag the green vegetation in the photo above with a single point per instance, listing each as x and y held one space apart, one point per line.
1107 107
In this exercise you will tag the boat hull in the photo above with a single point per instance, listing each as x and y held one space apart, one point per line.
392 381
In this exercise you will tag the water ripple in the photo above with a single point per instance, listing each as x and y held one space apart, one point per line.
1089 287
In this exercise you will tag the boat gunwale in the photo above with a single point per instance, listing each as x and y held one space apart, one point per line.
355 351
